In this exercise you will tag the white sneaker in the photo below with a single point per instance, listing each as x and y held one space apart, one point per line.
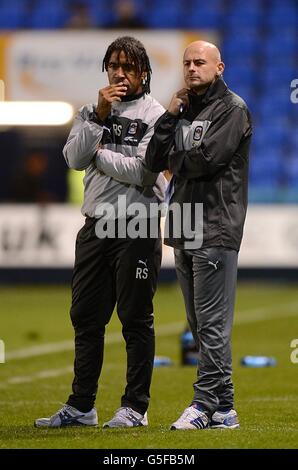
68 416
191 418
126 417
225 420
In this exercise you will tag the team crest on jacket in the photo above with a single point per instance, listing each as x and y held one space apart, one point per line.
191 134
198 133
133 127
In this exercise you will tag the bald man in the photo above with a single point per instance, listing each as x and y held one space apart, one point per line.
203 139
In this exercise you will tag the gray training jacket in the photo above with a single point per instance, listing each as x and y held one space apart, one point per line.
112 153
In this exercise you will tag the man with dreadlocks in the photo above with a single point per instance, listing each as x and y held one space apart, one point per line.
109 141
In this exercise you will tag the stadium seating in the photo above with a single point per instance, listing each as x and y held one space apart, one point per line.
49 15
260 49
12 15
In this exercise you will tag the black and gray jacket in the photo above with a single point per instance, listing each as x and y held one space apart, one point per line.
112 153
207 148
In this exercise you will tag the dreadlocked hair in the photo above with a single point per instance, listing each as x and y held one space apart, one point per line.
134 51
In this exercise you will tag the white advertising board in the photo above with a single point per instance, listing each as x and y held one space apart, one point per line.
44 236
67 66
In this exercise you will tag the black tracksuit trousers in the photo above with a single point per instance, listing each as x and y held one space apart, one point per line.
109 272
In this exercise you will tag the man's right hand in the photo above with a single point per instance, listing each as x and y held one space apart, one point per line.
179 99
106 96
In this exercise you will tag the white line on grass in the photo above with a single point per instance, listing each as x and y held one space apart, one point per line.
270 399
267 313
44 374
47 348
249 316
26 403
246 316
68 345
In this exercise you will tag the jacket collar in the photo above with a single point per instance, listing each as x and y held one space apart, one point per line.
215 91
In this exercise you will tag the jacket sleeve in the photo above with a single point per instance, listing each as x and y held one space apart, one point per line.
82 142
217 148
161 143
129 170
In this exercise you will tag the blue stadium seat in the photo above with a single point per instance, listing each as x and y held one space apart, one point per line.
235 31
265 169
14 3
280 89
245 18
51 4
99 3
241 46
271 134
255 5
204 15
165 17
165 3
280 45
277 79
202 21
274 104
239 60
239 75
101 14
291 170
294 110
49 16
282 3
282 61
282 7
215 4
262 182
238 72
12 16
276 118
294 141
282 17
275 29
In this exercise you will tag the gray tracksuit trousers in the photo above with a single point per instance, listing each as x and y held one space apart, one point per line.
207 277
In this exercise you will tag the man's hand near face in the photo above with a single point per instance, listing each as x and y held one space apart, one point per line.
106 96
179 99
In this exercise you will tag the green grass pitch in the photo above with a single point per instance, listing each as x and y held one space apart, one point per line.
37 375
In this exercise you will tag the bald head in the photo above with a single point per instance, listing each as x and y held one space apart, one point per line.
204 48
202 65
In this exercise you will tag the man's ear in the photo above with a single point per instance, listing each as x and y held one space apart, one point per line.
220 69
